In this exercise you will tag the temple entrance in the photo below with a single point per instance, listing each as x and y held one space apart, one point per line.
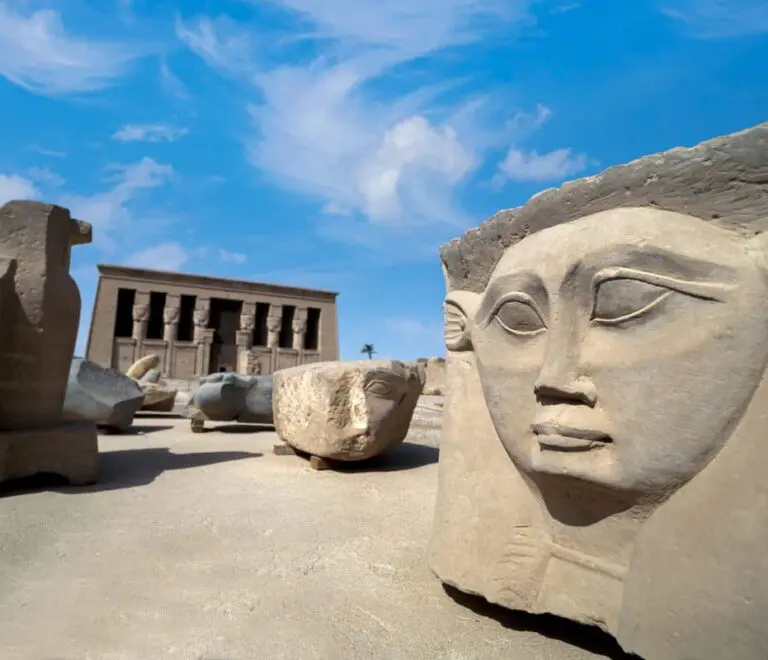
225 321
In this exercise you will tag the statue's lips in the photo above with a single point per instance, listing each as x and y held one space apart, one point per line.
558 437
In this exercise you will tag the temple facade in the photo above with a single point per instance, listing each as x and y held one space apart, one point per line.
200 325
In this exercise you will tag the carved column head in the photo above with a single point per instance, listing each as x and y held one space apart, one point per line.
274 322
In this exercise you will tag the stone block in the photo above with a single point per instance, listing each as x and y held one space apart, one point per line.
104 396
604 421
230 397
40 314
347 411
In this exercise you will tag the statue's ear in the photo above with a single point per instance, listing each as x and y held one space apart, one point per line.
459 307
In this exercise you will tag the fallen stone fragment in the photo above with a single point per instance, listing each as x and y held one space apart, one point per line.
346 411
231 397
104 396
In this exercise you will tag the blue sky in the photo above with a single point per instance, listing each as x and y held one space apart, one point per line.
338 143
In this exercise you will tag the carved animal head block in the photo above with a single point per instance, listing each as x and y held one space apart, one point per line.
605 405
41 310
346 410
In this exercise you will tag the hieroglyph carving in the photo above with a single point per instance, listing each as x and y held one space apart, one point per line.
619 360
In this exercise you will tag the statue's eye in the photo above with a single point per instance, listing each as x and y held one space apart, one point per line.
379 388
519 318
621 300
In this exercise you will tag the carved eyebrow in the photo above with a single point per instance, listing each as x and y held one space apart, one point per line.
505 286
706 290
662 262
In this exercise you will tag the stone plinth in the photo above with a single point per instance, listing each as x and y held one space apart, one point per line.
40 306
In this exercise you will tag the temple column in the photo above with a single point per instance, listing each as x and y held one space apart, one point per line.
171 324
203 336
140 319
299 327
274 321
244 335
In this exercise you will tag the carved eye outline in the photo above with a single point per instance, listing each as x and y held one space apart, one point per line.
709 291
520 298
379 387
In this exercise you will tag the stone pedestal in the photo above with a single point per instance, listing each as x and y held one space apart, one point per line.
69 450
40 306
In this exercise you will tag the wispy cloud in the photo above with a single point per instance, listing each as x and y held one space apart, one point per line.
45 176
168 256
172 83
221 42
110 210
40 55
322 128
406 28
15 186
232 257
526 166
48 152
149 133
717 19
532 166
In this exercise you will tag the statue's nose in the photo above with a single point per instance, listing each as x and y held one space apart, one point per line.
560 377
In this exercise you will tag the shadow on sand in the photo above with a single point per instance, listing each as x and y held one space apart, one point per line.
136 429
150 414
125 468
585 637
405 456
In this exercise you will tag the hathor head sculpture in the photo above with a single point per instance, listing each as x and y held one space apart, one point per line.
619 349
605 422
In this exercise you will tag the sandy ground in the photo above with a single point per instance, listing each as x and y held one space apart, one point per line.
209 546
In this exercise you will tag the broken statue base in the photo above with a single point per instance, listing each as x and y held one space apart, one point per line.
70 450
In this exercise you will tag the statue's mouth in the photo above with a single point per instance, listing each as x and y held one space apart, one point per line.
558 437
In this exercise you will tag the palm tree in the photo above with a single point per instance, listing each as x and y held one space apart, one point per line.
369 350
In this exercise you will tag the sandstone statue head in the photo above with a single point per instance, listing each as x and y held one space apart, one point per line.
346 410
606 388
621 348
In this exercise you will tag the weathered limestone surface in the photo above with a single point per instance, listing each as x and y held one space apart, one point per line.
721 181
104 396
604 428
229 397
346 411
40 313
434 370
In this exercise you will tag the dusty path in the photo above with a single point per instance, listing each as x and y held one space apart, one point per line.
210 546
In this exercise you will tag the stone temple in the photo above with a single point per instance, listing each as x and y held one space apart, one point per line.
200 325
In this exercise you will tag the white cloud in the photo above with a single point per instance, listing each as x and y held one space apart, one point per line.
713 19
232 257
13 186
48 152
44 175
109 210
149 133
321 130
532 166
221 42
169 256
171 82
37 53
319 134
407 27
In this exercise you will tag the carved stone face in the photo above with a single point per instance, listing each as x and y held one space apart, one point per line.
346 410
622 348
